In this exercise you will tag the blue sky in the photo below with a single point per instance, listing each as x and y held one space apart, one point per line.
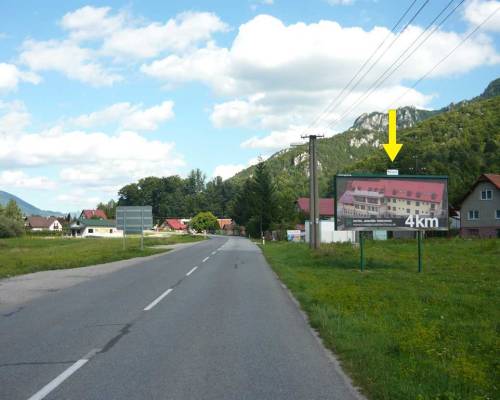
95 95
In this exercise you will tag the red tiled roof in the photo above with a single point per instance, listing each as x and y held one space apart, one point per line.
89 214
175 224
325 206
493 178
224 221
401 189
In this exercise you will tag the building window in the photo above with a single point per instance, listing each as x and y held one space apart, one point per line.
486 194
407 210
433 206
111 231
393 200
417 203
408 202
389 208
497 214
91 230
473 214
417 212
473 232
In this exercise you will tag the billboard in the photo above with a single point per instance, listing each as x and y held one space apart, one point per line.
372 202
134 219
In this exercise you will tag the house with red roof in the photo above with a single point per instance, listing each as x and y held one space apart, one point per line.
326 207
93 214
173 224
480 208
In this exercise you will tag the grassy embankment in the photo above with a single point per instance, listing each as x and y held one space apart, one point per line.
24 255
398 333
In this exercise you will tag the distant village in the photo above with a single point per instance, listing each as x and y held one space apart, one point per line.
478 214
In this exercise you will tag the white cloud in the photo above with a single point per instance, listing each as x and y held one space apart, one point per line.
279 77
476 11
91 22
19 179
10 76
128 116
226 171
96 159
13 118
177 34
68 58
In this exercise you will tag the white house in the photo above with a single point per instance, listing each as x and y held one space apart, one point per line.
95 228
37 223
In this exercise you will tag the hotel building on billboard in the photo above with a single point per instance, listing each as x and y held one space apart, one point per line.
392 198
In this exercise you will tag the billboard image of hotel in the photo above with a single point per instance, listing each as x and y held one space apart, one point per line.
407 203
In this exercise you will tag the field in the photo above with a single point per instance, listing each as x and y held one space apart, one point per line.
402 334
31 254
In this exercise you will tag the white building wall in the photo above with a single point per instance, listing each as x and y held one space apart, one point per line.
328 234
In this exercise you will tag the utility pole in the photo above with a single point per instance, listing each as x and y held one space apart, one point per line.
314 239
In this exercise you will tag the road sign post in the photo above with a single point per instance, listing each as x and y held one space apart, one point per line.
134 219
362 250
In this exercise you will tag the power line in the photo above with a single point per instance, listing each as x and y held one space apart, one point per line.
387 73
447 56
337 99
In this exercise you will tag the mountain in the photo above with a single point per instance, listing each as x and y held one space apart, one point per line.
461 140
407 117
26 208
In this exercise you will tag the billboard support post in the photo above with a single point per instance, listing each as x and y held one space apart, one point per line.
124 230
362 250
142 229
419 236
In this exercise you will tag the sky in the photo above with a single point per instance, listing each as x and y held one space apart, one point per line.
98 94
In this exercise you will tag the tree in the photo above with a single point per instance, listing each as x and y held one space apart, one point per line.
204 221
109 208
263 200
10 227
12 211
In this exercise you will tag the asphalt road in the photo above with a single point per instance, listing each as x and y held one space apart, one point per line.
162 329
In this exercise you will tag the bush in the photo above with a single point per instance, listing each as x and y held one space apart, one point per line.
204 221
10 228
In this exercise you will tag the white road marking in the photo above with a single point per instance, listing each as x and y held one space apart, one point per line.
205 259
49 387
214 252
190 272
157 300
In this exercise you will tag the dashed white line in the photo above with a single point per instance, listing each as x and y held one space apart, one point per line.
157 300
49 387
190 272
205 259
214 253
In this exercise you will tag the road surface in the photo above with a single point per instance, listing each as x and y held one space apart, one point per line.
206 322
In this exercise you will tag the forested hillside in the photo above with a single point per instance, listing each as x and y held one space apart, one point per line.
461 143
460 140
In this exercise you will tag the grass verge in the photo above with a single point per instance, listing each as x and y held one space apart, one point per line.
24 255
398 333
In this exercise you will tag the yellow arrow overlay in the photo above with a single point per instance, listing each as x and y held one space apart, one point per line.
392 148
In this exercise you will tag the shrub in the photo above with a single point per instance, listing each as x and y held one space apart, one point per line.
10 227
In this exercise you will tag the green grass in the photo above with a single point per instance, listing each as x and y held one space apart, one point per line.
24 255
398 333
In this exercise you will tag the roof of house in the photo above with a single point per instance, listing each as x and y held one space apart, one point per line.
224 221
94 223
494 179
420 190
175 224
325 206
35 221
88 214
